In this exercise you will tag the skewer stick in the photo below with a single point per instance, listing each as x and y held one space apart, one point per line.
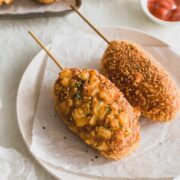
92 26
45 49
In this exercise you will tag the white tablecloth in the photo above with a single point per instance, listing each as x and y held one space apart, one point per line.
17 49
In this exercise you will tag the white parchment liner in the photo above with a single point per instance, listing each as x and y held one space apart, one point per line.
159 150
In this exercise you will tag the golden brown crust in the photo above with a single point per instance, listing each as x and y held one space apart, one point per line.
6 2
145 84
117 155
40 1
97 111
46 1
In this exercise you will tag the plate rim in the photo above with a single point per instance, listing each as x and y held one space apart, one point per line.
74 175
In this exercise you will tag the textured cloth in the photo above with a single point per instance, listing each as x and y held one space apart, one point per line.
14 166
17 50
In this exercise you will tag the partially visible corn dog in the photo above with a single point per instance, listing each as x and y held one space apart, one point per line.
40 1
6 2
46 1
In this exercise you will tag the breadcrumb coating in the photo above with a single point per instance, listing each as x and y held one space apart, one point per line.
144 82
95 110
46 1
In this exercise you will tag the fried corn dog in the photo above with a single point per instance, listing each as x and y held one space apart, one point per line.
95 110
145 84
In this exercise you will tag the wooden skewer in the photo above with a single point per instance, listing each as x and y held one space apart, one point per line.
45 49
93 27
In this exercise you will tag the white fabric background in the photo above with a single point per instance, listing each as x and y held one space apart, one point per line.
17 50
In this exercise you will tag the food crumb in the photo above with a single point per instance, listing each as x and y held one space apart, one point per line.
92 159
96 157
44 127
87 151
65 137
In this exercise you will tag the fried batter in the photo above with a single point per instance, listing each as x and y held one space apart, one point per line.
46 1
95 110
145 84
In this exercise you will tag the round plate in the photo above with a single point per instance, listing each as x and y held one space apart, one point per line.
33 77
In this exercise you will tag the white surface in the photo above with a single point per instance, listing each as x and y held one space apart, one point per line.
177 178
14 166
17 49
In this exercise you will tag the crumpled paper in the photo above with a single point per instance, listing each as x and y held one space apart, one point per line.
56 145
14 166
27 7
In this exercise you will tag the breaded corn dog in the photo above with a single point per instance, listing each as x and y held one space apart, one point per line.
143 81
95 110
46 1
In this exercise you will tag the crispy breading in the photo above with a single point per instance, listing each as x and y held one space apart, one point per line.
144 82
95 109
46 1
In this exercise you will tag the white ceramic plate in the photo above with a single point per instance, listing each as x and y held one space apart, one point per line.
29 89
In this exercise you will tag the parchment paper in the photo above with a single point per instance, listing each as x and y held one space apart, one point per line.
159 150
30 7
13 165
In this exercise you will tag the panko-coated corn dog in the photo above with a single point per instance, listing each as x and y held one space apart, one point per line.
143 81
